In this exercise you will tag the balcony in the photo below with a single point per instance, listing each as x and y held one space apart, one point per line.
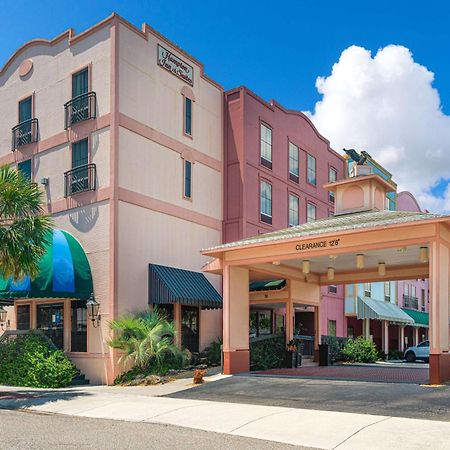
80 179
25 133
80 108
410 302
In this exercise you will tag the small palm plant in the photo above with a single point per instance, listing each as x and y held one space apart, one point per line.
24 228
146 339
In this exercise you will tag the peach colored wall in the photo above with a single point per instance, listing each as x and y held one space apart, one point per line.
332 308
305 293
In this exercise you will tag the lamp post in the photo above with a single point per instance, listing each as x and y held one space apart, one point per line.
92 308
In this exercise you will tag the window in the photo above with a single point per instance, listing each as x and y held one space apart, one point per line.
311 169
332 289
367 289
187 116
187 179
331 328
266 202
24 131
422 297
266 146
390 204
23 317
24 167
261 323
332 177
80 159
311 212
80 82
293 162
350 332
80 99
165 309
413 291
78 342
387 291
293 210
406 290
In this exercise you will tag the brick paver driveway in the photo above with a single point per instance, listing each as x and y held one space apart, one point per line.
352 372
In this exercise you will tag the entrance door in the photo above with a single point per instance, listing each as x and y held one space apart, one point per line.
50 319
190 328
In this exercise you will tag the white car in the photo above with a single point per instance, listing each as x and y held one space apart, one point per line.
421 351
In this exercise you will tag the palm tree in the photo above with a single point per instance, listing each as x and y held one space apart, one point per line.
145 339
24 228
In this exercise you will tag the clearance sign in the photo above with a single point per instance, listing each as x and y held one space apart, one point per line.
317 244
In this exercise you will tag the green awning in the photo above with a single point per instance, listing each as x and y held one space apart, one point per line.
268 285
64 272
421 319
369 308
172 285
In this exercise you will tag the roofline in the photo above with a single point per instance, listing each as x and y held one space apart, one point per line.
72 38
272 104
374 176
215 252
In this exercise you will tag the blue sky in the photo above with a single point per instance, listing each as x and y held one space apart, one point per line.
275 48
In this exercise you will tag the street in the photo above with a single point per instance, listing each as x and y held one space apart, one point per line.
28 430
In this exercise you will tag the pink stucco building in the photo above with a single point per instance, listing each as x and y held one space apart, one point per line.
276 163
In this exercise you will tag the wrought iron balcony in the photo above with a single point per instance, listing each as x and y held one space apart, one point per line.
80 108
410 302
25 133
80 179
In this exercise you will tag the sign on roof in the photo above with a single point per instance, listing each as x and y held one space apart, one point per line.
175 65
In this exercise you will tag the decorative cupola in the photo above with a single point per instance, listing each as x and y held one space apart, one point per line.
363 191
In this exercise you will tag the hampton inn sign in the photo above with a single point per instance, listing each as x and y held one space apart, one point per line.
175 65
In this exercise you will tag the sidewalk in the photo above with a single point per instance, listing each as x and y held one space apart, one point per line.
308 428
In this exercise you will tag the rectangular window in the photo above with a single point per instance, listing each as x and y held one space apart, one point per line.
23 317
331 328
80 160
332 289
311 169
25 126
422 298
293 210
266 202
80 82
367 289
78 342
387 291
332 177
166 310
266 146
311 212
80 101
293 162
24 167
406 290
390 204
25 109
187 179
187 116
350 332
413 291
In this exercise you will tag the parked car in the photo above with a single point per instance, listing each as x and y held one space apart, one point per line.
421 351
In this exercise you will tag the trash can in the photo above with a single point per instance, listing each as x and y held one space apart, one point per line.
324 355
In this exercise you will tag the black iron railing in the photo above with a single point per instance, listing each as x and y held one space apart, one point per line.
80 108
25 133
410 302
80 179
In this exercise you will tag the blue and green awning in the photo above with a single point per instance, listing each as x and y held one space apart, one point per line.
64 272
172 285
421 318
268 285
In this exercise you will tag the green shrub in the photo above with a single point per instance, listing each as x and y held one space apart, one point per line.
360 350
268 353
336 345
29 360
213 353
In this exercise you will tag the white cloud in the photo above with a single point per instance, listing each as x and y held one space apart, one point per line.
386 105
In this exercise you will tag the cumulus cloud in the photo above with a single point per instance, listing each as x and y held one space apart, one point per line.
386 104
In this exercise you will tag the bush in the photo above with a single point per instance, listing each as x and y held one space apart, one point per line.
29 360
213 353
336 346
360 350
268 353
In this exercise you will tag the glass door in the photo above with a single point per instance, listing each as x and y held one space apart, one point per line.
190 328
50 319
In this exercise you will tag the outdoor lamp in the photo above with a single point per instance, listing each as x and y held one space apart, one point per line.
306 266
360 261
92 307
423 255
330 273
382 269
3 323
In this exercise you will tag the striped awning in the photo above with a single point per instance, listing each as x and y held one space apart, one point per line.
270 285
421 318
172 285
64 272
369 308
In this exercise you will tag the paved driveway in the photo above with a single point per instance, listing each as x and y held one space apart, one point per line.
393 399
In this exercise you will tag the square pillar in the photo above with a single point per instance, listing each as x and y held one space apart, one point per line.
317 330
236 311
401 338
415 336
289 328
177 322
366 328
385 336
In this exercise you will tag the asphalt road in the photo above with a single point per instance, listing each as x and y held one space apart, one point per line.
388 399
22 430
